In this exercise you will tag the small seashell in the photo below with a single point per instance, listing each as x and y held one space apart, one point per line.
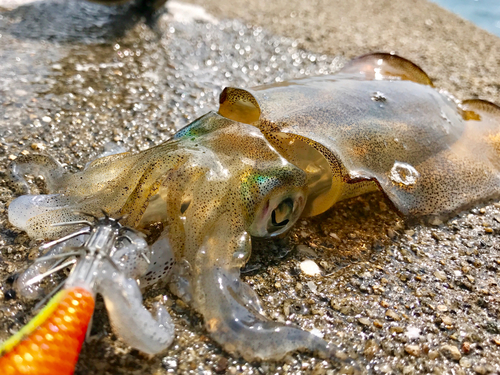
310 268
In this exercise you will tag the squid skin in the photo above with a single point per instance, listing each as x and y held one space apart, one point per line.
268 156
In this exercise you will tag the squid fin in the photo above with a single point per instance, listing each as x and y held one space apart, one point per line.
385 66
481 110
483 121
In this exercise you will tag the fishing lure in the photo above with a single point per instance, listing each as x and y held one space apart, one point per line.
270 155
107 263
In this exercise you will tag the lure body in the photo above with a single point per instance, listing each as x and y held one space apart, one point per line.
51 342
268 156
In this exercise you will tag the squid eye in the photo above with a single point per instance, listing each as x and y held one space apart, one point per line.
281 214
277 214
286 211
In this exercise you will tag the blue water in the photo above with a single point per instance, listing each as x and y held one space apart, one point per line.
484 13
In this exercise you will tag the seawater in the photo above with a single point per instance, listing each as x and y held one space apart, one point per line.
484 13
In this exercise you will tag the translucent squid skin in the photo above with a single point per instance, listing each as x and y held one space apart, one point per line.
51 342
268 156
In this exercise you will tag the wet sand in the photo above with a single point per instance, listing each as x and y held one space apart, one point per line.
397 297
456 54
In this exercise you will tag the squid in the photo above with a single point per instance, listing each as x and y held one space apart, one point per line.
270 155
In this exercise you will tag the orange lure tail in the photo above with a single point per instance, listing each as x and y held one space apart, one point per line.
50 343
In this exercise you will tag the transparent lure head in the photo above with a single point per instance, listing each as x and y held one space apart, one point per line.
59 256
107 259
132 255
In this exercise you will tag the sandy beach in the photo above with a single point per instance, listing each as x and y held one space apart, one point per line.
398 297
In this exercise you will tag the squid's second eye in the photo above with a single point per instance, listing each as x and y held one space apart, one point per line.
281 214
285 211
277 213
